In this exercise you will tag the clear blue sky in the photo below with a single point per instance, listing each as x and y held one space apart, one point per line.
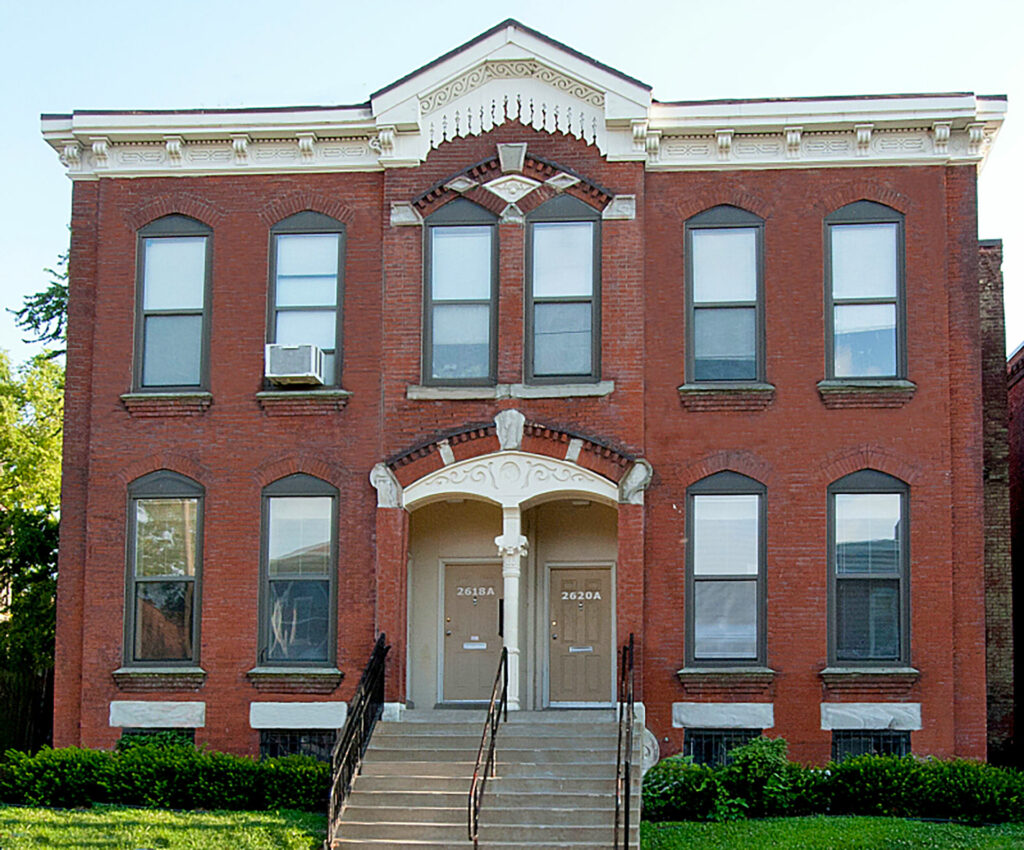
111 54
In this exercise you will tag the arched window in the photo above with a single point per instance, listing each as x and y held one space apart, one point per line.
725 298
864 292
307 263
298 568
165 550
868 570
172 298
725 578
460 271
563 292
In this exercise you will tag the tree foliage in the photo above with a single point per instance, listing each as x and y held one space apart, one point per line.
31 423
28 566
44 315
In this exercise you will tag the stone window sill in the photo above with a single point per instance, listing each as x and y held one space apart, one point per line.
417 392
159 678
295 680
727 395
896 679
155 405
726 675
302 402
865 392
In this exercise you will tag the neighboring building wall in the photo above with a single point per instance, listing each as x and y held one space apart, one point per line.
1015 371
998 576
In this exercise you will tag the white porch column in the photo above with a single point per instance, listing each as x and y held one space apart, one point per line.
512 547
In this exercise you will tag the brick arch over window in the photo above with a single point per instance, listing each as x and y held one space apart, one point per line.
743 462
481 438
534 167
862 190
172 461
844 463
295 202
293 464
733 197
173 203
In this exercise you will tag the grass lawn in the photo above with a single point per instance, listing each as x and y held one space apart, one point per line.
118 828
828 833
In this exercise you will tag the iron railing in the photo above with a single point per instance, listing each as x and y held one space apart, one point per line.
497 710
624 760
364 712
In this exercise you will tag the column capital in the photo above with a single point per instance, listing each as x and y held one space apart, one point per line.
511 547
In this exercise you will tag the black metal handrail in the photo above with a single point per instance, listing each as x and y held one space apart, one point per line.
364 712
624 760
497 707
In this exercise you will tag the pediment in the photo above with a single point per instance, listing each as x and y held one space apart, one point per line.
510 73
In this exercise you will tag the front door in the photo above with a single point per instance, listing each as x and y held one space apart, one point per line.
580 635
471 638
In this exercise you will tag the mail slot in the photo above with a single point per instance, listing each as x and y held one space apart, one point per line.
581 649
474 645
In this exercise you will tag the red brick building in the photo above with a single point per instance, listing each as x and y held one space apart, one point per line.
515 354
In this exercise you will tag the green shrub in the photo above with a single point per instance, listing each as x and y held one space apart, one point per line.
875 785
974 791
162 771
66 778
674 789
758 774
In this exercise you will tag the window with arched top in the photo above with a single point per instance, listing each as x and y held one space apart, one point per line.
864 292
725 297
165 549
725 576
298 568
172 304
460 316
868 569
307 264
563 292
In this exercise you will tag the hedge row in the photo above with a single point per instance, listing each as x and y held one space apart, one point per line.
760 781
162 773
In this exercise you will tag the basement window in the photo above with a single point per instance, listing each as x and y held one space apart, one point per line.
317 743
864 742
712 746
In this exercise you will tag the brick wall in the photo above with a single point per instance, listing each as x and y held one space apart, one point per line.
796 447
998 576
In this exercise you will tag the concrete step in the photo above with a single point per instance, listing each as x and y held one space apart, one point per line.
470 738
506 755
404 783
550 835
496 812
503 797
548 769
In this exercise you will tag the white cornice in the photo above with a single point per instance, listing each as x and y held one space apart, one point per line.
515 74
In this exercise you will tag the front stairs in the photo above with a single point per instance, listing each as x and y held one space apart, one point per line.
555 783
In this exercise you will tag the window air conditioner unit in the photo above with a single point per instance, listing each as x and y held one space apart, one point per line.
295 364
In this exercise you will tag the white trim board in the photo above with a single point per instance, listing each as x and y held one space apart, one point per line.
157 714
297 715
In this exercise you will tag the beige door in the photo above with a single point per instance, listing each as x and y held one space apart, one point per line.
580 635
471 639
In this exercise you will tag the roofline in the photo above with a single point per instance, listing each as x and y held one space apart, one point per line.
830 97
510 22
217 111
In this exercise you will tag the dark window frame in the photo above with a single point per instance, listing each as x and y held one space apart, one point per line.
301 223
162 484
459 213
727 483
292 486
170 226
697 741
882 742
870 481
867 212
725 216
563 208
